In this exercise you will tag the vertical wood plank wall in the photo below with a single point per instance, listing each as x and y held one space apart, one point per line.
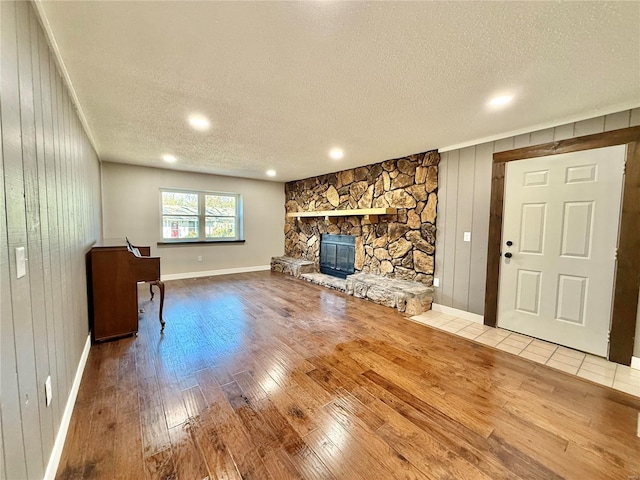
464 186
50 204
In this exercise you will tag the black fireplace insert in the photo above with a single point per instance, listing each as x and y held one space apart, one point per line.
337 255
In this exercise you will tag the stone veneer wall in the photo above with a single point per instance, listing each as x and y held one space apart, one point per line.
398 246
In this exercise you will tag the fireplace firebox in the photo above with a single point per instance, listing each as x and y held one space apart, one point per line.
337 255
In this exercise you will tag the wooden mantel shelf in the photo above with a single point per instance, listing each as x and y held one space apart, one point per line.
370 214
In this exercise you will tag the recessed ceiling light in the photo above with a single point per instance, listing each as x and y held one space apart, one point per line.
199 122
336 153
169 158
271 172
500 101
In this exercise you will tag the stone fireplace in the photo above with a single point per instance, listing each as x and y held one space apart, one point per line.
400 245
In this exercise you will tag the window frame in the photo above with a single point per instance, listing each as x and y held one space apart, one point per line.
202 216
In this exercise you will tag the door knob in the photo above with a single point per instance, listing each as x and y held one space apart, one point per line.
508 255
509 243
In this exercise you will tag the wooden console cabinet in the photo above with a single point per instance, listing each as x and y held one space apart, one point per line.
113 269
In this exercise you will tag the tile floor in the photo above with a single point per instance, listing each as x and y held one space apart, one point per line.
584 365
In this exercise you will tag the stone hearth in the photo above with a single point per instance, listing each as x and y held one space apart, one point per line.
408 297
325 280
292 266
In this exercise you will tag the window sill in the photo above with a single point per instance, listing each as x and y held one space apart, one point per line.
198 242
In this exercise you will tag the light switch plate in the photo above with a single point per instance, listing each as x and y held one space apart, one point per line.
467 236
436 282
21 262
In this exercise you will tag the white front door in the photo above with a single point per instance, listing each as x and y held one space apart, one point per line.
559 238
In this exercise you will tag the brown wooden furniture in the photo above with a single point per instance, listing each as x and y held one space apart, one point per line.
114 267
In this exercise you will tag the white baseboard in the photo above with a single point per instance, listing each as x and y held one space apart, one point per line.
635 363
472 317
211 273
56 453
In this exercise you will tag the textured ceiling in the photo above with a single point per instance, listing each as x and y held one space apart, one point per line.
283 82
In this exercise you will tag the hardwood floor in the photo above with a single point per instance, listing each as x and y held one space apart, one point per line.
262 376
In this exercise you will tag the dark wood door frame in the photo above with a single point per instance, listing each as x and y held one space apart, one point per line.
627 275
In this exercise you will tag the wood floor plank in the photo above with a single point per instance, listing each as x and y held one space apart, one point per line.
283 421
280 466
248 413
339 462
260 376
100 455
472 418
310 465
215 452
427 454
169 391
367 444
230 429
187 457
462 439
71 465
194 401
282 398
160 465
612 450
128 455
153 422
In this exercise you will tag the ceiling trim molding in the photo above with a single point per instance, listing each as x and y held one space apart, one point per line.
542 126
44 22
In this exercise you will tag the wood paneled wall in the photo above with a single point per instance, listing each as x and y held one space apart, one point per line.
464 191
50 196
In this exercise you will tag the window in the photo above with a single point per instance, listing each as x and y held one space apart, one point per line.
200 216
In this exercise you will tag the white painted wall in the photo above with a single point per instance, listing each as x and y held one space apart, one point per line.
131 203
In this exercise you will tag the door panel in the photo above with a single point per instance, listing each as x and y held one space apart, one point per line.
584 173
536 179
576 229
528 291
561 214
533 222
572 295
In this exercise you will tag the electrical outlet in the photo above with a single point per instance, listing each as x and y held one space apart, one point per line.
436 282
47 390
467 236
199 258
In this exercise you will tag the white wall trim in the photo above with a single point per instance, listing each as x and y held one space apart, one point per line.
542 126
472 317
213 273
56 453
635 363
46 26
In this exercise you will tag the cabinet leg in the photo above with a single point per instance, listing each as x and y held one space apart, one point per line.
151 289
